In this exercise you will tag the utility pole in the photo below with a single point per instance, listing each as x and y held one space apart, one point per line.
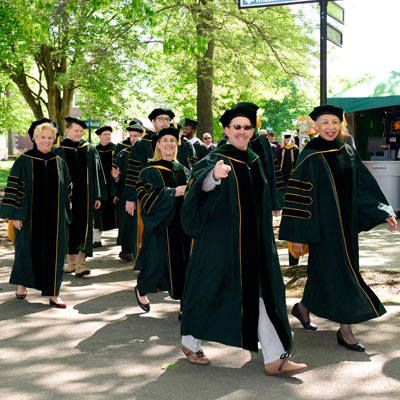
323 49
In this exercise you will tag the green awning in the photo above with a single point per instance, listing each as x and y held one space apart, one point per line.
375 93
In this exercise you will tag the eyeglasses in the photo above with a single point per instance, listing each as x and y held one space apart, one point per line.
163 119
207 138
239 127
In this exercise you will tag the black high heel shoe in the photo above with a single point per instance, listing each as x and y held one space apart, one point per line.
306 325
356 347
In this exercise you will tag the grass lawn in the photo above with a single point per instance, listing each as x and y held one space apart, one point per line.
5 167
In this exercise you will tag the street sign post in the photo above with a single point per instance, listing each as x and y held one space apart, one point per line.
327 31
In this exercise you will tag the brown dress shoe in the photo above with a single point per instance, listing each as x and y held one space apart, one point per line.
283 366
196 358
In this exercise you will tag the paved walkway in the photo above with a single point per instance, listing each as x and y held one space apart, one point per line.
103 348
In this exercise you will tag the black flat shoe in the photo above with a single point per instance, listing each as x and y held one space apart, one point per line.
144 307
125 256
306 325
180 316
356 347
96 244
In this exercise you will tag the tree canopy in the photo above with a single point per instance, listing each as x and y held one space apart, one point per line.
198 57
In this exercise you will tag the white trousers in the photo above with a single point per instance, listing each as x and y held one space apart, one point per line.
97 235
271 345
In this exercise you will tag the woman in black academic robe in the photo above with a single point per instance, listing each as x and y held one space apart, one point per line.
36 200
165 248
330 198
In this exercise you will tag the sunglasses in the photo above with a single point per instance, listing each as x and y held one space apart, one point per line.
239 127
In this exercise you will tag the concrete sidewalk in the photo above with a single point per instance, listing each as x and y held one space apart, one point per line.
102 347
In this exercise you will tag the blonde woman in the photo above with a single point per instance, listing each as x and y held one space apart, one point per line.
36 200
164 254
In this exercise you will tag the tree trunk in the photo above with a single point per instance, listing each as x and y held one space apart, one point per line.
205 72
204 76
19 78
10 142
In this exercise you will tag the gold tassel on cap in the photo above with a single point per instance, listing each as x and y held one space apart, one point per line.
174 123
258 122
344 119
58 141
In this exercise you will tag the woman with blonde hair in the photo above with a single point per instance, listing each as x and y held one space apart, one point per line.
36 200
164 254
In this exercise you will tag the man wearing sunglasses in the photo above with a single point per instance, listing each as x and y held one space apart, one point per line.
207 140
241 299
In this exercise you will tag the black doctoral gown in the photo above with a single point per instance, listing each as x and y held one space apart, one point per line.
89 184
233 260
105 218
165 248
128 226
330 198
38 193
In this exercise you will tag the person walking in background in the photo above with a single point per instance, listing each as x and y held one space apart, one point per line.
234 294
105 218
330 198
165 248
207 140
36 200
189 130
276 146
124 144
128 224
287 157
89 187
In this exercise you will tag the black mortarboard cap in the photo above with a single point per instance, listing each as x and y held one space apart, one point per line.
191 123
135 128
103 129
160 111
167 131
326 109
73 120
242 109
39 122
133 121
287 135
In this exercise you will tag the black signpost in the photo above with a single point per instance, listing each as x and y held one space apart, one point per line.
327 31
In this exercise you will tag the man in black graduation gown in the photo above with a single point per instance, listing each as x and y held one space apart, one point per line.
207 140
241 298
105 218
189 130
88 188
126 143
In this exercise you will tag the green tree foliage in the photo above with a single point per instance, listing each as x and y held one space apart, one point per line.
14 114
282 113
242 51
52 48
197 56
